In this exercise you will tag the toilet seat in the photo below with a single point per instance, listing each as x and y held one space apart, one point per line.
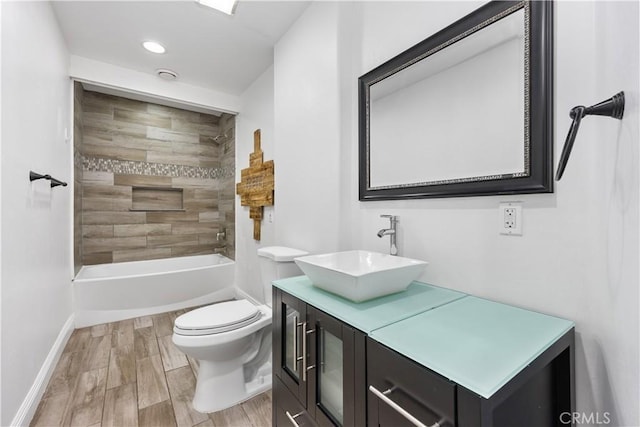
217 318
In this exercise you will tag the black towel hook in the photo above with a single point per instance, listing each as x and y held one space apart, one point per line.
612 107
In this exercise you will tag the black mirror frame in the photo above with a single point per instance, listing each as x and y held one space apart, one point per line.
540 109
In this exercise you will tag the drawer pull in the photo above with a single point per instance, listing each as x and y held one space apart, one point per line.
292 418
304 352
399 409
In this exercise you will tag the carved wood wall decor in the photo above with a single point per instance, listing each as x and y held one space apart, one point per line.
256 185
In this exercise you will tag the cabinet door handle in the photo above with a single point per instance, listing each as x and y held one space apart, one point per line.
399 409
304 351
292 418
295 339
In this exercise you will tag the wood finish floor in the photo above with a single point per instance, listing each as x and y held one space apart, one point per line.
129 373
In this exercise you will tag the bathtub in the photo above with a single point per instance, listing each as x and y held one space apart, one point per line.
110 292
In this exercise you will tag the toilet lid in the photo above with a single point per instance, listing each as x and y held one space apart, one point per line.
217 318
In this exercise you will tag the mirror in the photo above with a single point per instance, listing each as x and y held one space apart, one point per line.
465 112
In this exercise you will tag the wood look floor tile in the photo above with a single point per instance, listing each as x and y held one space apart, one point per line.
163 325
122 366
120 408
158 415
172 358
51 410
152 385
232 417
118 378
182 385
122 334
258 409
97 353
145 342
65 374
142 322
195 365
85 407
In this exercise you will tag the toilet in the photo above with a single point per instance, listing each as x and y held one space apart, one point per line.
232 340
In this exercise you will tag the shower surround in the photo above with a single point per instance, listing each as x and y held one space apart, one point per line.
153 180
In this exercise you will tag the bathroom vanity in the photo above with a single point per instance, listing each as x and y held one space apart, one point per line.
426 356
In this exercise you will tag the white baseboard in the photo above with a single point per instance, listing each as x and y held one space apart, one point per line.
30 403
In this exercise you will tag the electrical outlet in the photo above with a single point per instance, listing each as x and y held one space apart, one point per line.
510 222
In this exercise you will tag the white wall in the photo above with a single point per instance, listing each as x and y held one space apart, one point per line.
36 232
578 257
257 113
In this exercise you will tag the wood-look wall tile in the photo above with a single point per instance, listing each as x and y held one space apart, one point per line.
158 415
171 241
182 385
172 358
87 402
141 254
94 204
184 182
94 126
138 143
97 231
145 342
99 178
98 191
168 135
210 216
114 152
177 113
172 158
142 118
97 110
182 125
97 258
122 366
209 239
141 230
171 217
120 408
161 199
194 228
103 244
110 218
142 180
152 387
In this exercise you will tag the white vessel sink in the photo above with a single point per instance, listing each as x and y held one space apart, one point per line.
360 275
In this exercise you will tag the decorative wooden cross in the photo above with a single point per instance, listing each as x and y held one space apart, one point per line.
256 185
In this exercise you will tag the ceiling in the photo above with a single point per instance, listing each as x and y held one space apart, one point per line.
205 47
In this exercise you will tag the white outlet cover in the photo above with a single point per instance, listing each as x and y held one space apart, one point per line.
516 230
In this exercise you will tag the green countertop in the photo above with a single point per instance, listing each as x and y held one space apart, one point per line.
370 315
474 342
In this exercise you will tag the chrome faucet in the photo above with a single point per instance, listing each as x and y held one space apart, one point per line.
221 235
392 231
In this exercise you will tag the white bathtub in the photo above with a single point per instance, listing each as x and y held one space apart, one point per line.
110 292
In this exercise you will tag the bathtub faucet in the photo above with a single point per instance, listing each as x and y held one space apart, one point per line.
221 235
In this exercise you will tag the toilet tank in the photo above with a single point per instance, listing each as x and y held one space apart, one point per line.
276 262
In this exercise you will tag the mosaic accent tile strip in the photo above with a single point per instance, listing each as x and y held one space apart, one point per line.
128 167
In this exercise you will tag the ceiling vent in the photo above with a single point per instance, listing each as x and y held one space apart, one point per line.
165 74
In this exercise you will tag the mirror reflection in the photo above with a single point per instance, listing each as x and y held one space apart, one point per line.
458 114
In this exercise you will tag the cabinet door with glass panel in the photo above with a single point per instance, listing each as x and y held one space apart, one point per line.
290 343
333 395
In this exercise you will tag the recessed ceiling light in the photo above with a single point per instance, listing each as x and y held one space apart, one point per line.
226 6
154 47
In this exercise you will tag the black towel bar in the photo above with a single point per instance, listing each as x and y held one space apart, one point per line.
33 176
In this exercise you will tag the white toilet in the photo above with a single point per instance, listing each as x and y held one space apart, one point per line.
232 340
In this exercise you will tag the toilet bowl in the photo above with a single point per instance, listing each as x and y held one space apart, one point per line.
232 340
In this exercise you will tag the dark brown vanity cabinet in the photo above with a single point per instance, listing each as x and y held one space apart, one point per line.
318 365
402 392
